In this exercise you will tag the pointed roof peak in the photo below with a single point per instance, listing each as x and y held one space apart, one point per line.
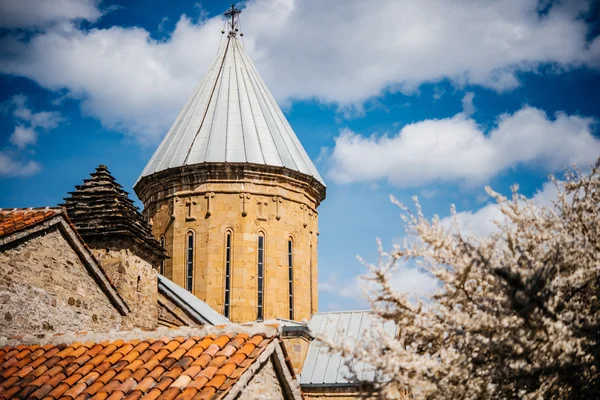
101 210
102 168
231 117
233 20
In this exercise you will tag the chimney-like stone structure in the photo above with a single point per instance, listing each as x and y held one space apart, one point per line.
296 339
121 240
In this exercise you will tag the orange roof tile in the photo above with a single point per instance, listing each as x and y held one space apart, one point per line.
100 369
16 219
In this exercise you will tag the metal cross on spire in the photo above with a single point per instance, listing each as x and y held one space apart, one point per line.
231 13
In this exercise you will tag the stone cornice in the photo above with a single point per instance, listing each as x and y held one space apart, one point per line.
189 193
186 178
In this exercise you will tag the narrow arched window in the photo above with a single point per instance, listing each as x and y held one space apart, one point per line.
227 274
260 280
189 261
311 279
291 277
161 269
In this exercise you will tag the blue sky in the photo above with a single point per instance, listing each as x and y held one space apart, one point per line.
430 98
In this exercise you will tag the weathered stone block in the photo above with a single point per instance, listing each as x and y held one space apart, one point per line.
44 287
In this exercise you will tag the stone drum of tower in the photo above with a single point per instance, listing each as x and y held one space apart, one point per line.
233 197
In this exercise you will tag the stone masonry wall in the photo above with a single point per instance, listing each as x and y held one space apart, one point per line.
44 287
136 282
264 385
280 211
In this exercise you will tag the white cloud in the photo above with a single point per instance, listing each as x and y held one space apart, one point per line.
467 104
348 289
482 222
304 49
10 166
43 119
127 80
429 193
39 13
547 194
413 281
347 293
22 137
163 22
13 160
406 279
438 92
457 149
46 120
317 48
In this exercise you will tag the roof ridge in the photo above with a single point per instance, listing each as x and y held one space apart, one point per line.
161 332
20 209
14 220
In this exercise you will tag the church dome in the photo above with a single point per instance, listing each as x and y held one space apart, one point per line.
231 117
233 197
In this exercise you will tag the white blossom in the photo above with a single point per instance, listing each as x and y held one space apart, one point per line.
517 312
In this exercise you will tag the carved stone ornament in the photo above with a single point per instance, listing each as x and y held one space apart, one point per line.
190 207
172 207
245 197
277 200
209 196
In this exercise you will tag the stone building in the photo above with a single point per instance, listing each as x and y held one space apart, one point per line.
90 265
233 196
98 300
120 239
86 315
49 279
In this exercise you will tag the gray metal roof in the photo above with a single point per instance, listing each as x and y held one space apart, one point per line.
324 369
192 305
231 117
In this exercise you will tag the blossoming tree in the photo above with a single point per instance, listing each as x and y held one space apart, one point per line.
516 315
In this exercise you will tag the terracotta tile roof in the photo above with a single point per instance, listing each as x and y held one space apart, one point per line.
195 367
16 219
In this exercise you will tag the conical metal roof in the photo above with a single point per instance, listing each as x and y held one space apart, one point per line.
231 117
